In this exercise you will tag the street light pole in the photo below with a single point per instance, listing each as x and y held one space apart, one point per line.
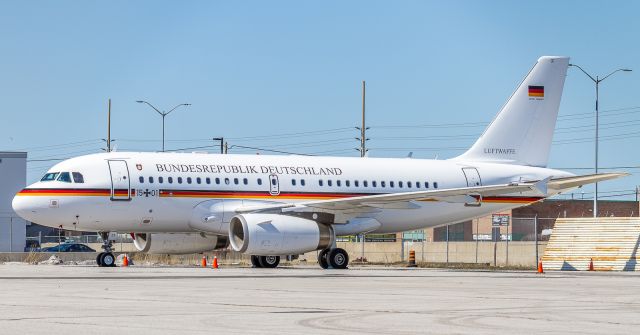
163 114
597 81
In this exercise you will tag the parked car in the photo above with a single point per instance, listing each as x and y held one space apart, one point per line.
32 246
69 247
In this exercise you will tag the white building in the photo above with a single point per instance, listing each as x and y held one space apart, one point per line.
13 178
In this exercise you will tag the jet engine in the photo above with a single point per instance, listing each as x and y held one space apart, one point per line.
274 234
178 243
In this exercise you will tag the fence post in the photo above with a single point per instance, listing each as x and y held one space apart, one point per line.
362 250
507 257
11 234
535 232
477 239
447 244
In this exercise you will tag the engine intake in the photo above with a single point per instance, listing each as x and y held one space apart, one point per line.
274 234
178 243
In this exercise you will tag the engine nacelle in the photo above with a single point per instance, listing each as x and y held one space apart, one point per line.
274 234
178 243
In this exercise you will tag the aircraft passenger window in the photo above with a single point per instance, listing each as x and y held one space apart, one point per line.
400 184
382 184
259 181
274 181
170 180
338 183
235 181
179 180
198 180
320 182
374 184
329 183
150 180
141 179
417 184
409 184
217 181
435 184
77 177
391 184
365 183
226 181
245 181
355 183
160 180
188 180
49 176
302 182
347 183
64 177
293 182
208 180
426 184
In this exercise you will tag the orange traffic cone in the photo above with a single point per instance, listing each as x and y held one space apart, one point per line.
214 265
591 264
540 269
125 260
204 261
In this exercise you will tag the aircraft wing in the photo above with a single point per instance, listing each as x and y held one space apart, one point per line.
468 195
563 184
403 200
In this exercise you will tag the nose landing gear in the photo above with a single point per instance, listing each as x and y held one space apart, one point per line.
106 258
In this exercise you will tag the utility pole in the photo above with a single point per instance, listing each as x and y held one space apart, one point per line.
363 130
222 144
109 128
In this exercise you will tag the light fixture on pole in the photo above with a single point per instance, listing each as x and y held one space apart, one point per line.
163 114
597 81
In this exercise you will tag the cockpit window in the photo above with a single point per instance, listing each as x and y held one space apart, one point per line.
77 177
50 176
64 177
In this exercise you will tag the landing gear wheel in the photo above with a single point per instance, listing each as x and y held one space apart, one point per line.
107 260
255 261
269 261
322 259
99 259
338 258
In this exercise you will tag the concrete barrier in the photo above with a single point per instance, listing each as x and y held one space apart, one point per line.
519 254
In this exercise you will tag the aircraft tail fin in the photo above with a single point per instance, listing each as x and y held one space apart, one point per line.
522 131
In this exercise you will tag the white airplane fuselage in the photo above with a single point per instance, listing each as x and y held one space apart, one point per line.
195 192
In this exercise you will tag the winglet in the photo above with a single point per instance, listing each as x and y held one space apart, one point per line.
542 186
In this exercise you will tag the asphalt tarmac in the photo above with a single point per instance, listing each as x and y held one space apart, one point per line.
55 299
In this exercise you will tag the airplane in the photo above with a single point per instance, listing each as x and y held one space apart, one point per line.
269 206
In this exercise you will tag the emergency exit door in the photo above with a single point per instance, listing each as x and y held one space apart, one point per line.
473 177
120 183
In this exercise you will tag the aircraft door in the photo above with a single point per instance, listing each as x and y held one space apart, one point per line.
473 177
120 183
274 185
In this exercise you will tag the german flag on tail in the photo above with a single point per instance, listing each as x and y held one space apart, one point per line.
536 91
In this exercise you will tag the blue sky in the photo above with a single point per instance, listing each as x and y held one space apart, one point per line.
270 69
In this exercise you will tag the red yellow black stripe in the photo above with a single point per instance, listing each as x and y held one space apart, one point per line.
84 192
72 192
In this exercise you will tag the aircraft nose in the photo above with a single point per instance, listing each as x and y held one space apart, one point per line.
23 207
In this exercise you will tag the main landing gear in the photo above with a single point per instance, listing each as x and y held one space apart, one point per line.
269 262
336 258
106 258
